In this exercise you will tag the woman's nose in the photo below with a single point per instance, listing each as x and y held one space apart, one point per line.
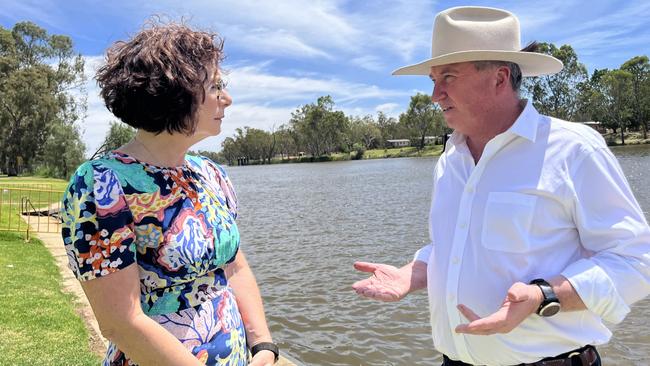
225 97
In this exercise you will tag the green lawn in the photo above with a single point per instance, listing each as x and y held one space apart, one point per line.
40 191
401 152
38 325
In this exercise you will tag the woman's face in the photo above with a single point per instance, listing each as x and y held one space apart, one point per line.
211 111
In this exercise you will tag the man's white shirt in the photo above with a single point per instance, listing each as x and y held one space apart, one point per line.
547 197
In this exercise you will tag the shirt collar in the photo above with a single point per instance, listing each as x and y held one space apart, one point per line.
524 126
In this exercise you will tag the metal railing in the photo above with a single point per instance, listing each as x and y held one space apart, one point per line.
30 208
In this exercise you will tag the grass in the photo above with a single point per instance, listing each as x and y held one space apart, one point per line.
631 138
40 191
38 324
398 152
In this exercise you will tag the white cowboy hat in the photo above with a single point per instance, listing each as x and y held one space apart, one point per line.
470 33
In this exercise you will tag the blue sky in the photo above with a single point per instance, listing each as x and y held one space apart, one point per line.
285 53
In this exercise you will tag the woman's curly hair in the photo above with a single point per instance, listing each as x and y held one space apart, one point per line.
155 81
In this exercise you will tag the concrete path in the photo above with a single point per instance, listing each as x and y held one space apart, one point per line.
53 242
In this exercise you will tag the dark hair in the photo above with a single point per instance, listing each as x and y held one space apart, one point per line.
515 70
155 81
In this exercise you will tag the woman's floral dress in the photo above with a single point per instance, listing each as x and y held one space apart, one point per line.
178 226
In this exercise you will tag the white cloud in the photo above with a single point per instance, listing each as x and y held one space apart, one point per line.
261 100
369 62
273 42
254 83
387 108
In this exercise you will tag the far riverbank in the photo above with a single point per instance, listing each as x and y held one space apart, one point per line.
612 139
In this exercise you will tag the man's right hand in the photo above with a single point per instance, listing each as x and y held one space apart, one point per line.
387 283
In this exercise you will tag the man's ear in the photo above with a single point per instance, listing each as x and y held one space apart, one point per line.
502 77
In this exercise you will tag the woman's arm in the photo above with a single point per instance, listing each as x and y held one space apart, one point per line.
249 301
115 300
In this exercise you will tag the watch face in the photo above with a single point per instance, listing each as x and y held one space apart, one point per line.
550 309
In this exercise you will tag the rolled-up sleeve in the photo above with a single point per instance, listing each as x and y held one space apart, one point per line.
423 254
614 231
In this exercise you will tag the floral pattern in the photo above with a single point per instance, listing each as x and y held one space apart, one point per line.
178 226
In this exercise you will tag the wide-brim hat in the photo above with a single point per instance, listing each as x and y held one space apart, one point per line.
470 33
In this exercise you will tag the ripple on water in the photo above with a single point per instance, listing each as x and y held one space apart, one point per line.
303 225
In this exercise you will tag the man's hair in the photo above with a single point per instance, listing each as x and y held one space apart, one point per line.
155 81
515 70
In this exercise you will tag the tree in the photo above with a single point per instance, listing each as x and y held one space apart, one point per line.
230 150
388 127
319 128
420 118
365 132
639 69
63 151
556 95
286 141
118 135
592 103
618 96
39 75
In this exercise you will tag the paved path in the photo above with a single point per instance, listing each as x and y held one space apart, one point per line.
53 242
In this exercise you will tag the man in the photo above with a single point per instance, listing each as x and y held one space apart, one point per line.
536 238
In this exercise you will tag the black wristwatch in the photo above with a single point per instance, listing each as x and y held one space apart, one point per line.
551 304
266 346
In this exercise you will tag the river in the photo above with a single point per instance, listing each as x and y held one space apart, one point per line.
303 225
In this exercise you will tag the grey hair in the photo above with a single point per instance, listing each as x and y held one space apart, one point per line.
515 71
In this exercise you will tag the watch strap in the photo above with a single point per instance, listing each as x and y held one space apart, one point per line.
266 346
549 298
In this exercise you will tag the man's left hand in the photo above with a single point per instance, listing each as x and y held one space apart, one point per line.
522 300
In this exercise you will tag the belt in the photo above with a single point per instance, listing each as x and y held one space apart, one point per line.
585 356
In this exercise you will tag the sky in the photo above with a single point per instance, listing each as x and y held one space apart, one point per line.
283 54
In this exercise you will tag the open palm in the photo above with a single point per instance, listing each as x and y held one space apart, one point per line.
387 283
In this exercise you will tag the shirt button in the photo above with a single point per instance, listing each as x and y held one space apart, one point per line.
463 225
455 260
451 297
470 189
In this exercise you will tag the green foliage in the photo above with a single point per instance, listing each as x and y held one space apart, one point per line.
39 75
320 129
618 99
364 132
118 135
639 69
423 118
618 86
63 152
557 95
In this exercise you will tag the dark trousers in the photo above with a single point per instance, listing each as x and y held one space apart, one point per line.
550 361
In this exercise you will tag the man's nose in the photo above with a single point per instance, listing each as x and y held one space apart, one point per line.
437 94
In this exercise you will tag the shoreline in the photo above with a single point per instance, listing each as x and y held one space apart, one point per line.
411 152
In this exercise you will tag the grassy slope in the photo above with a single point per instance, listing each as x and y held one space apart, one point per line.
38 325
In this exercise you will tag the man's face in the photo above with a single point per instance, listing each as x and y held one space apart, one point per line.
464 93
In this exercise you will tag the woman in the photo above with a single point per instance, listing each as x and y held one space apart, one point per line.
150 231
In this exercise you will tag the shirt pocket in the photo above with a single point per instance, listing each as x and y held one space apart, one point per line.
507 221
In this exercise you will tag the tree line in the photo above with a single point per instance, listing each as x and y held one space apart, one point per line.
618 99
43 101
